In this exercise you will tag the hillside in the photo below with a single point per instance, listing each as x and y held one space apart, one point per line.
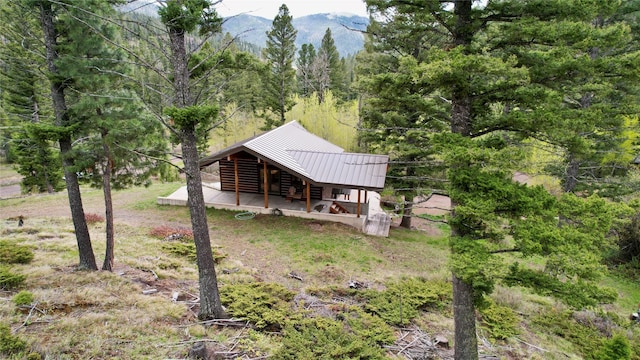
146 308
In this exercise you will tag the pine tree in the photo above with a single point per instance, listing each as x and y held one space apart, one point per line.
238 70
329 68
462 72
591 120
304 64
124 147
191 121
25 101
393 114
75 55
279 53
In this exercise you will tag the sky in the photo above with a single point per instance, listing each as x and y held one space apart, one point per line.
297 8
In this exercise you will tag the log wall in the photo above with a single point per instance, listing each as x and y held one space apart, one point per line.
249 178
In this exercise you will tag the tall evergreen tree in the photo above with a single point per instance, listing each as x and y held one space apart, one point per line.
395 119
304 65
591 119
469 70
124 147
329 68
75 55
238 70
189 122
25 102
279 53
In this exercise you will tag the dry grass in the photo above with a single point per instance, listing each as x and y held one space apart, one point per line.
81 315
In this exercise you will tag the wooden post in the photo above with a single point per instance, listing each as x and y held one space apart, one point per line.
308 197
365 196
358 203
266 186
235 170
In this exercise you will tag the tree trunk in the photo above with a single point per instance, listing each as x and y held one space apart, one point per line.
407 212
180 68
466 342
85 251
108 205
571 175
210 306
87 259
283 99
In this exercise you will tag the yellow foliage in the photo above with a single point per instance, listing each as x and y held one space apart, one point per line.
331 121
239 125
336 123
628 148
540 155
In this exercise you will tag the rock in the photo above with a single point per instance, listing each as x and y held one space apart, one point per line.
441 341
198 351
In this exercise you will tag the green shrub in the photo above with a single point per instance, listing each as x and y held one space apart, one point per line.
367 326
34 356
588 340
324 339
402 301
10 344
266 305
616 348
24 297
578 294
500 321
635 343
629 241
188 250
14 253
8 279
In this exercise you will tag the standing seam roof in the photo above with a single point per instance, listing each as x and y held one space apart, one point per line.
276 143
357 170
293 147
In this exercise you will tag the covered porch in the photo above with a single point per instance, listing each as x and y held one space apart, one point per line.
318 209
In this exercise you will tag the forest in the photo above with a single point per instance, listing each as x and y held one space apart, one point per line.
462 95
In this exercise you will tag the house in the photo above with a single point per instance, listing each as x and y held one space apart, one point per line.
294 171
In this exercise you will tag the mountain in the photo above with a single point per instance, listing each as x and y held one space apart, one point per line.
345 29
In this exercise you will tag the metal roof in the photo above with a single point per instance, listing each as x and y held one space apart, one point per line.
350 169
292 147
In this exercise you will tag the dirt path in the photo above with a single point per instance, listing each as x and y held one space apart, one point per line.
57 206
9 191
